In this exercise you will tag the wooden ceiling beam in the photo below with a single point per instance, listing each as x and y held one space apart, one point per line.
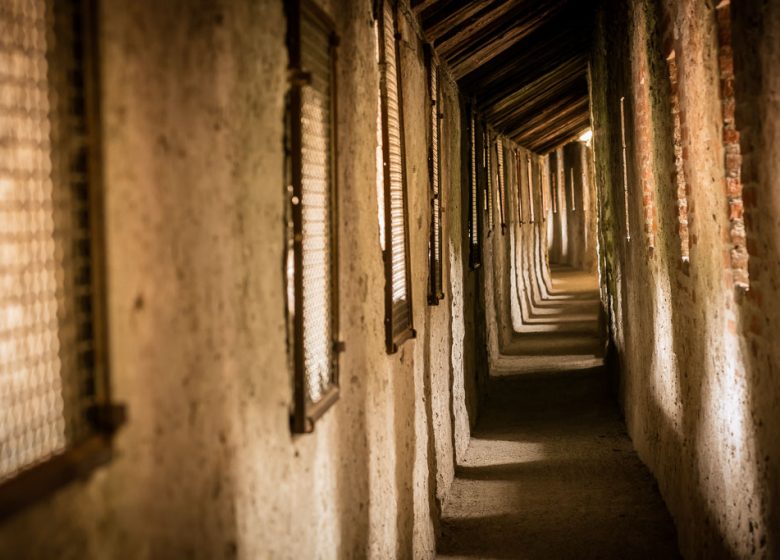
420 5
564 137
566 78
493 41
437 26
542 110
549 118
558 133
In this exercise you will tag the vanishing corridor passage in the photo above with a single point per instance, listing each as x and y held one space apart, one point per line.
550 471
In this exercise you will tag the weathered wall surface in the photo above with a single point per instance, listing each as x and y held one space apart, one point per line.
581 206
698 384
516 260
193 102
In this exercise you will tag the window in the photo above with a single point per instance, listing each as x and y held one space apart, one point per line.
542 190
488 183
625 168
554 163
679 163
312 263
571 184
55 411
395 241
530 173
436 287
499 147
518 176
738 253
475 253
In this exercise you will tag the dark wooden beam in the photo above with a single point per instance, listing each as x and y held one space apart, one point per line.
564 137
549 119
440 23
541 110
567 78
420 5
471 49
559 134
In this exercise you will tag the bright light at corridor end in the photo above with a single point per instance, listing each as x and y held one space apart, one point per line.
586 136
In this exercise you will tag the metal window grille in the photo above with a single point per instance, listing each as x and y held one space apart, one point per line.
530 174
312 256
501 181
54 398
554 181
519 186
488 182
475 257
398 297
436 286
542 191
571 186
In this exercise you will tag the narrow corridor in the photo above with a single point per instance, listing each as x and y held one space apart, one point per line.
550 471
389 279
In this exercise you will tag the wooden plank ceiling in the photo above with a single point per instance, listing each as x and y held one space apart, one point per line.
524 61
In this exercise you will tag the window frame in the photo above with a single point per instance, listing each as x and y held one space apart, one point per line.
393 340
304 414
475 192
501 186
488 193
103 416
435 118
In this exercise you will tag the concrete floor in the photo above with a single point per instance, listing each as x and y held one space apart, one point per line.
550 471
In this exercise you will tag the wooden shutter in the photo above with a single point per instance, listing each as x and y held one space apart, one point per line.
398 296
475 257
501 183
436 287
313 262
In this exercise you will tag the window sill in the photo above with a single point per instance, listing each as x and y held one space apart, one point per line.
37 482
315 411
402 337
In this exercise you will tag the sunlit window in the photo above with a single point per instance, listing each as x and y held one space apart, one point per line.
436 287
312 266
393 205
53 370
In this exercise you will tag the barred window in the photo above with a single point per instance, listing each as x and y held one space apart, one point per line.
54 398
554 163
312 263
392 183
501 181
518 177
475 255
436 285
530 173
488 182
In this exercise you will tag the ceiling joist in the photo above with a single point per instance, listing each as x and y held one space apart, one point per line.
524 61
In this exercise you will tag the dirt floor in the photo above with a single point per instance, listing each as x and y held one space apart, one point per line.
550 471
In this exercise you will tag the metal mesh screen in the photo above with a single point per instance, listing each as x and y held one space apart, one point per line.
501 179
316 208
436 226
530 173
488 181
47 355
395 193
474 206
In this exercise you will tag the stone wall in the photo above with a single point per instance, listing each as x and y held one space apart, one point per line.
206 467
698 384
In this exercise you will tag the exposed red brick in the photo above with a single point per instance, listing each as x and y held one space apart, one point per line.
738 261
